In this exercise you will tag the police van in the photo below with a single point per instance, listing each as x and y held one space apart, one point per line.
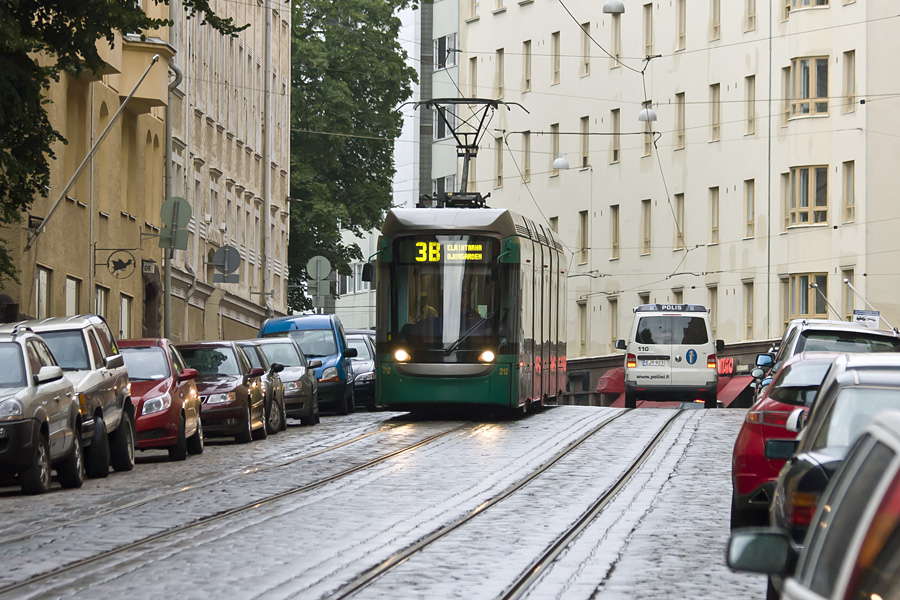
671 355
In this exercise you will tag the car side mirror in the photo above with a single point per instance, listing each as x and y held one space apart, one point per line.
759 550
187 374
256 372
765 360
277 367
368 272
315 364
781 449
350 353
48 374
720 346
757 373
620 345
115 361
796 421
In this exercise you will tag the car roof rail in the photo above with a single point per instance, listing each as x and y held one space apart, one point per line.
21 329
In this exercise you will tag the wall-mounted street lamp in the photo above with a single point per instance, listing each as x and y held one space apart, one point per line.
613 7
647 114
560 162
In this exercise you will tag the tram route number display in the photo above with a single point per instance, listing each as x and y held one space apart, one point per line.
446 252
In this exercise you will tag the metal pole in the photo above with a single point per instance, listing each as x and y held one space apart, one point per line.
815 286
168 253
90 155
861 297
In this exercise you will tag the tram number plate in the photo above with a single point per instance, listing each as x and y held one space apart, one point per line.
653 363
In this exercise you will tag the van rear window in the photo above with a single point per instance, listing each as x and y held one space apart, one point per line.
672 330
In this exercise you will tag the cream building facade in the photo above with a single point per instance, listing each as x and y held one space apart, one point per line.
770 167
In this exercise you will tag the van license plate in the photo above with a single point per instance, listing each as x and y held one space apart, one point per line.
654 363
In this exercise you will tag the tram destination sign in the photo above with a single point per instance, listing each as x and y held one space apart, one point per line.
418 251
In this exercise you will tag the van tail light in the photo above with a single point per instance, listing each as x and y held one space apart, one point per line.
711 361
774 418
802 507
631 361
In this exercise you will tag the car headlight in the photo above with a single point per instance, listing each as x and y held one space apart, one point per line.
487 356
402 355
10 409
329 373
292 386
363 377
220 398
155 405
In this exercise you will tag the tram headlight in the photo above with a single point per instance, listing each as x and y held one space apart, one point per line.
487 356
402 355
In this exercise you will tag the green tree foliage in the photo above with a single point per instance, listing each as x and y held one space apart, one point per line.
39 39
349 75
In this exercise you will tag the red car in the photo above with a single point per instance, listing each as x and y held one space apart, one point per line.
753 476
166 403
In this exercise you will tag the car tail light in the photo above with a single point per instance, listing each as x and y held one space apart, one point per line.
802 508
711 361
775 418
631 361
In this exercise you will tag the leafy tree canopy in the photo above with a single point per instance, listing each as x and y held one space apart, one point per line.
349 75
39 39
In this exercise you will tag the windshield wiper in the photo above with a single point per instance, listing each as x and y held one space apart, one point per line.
466 334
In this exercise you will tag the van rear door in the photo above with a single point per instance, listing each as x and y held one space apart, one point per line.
653 337
691 348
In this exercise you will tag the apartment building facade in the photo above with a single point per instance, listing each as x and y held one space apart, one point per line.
762 186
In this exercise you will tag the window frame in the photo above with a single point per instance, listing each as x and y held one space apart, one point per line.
646 227
848 210
585 142
499 87
555 50
750 93
679 221
849 81
750 208
680 133
715 112
813 212
714 217
808 76
614 232
715 20
526 66
680 25
615 124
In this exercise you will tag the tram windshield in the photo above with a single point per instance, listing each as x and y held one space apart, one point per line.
445 296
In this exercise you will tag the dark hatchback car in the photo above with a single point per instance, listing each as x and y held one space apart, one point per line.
232 401
299 377
273 386
363 368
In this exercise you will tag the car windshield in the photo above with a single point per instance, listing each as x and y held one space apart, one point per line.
799 383
853 409
146 363
252 356
315 343
285 354
211 361
69 349
12 375
362 348
671 329
846 341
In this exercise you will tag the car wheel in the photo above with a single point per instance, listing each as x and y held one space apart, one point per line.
71 471
246 434
630 400
274 417
341 406
262 432
351 406
771 592
36 478
96 459
122 444
283 416
179 450
195 442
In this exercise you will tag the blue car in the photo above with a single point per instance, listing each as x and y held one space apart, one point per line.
321 337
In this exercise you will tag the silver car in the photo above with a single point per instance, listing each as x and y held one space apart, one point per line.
39 415
301 398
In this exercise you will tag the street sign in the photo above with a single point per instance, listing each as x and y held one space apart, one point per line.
318 288
175 214
226 260
869 318
318 268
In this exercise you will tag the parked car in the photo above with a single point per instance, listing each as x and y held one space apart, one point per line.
299 377
86 349
321 337
165 397
852 548
231 396
753 475
363 368
273 386
40 421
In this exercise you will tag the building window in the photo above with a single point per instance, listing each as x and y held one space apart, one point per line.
809 195
43 278
613 321
679 121
615 127
101 301
614 231
125 304
679 221
585 141
714 215
526 156
786 10
554 60
445 51
526 66
583 237
715 13
849 296
586 49
442 185
648 29
554 147
643 298
849 191
714 112
473 8
73 296
554 224
444 122
808 3
750 85
785 302
785 95
809 86
805 300
680 25
714 310
645 227
678 296
500 73
615 47
748 309
582 328
500 4
785 198
750 207
750 16
850 81
498 162
648 131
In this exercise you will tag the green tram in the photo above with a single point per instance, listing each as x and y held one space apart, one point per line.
470 310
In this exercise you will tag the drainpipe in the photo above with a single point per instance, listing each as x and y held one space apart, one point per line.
187 298
169 253
267 164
